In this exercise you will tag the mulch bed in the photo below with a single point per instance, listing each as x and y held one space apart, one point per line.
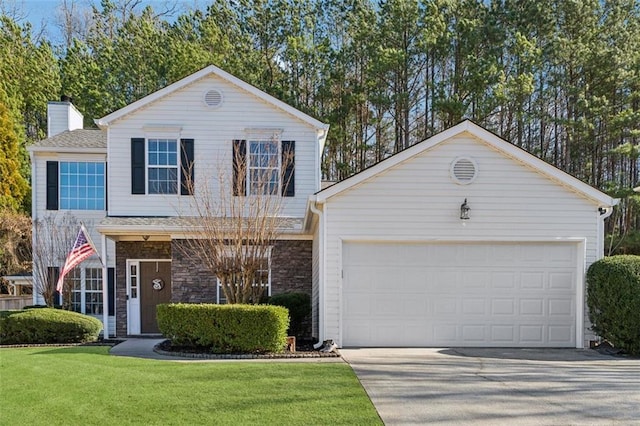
303 350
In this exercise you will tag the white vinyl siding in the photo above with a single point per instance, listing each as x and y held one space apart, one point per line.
213 131
418 201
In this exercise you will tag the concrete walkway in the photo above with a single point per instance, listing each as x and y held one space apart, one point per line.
499 386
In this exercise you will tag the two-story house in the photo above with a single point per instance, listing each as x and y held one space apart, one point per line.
461 240
133 181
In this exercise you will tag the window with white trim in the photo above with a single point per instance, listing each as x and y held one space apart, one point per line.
82 185
263 167
262 278
86 290
162 166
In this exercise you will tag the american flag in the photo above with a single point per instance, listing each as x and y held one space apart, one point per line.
82 249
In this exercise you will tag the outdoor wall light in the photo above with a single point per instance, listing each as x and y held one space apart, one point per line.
464 210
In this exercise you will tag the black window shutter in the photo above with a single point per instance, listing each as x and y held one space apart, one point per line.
186 167
106 186
239 167
289 174
138 175
52 185
53 273
111 293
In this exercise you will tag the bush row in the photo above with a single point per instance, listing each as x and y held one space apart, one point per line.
613 298
225 328
47 325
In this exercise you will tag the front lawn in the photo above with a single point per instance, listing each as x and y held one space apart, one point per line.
85 385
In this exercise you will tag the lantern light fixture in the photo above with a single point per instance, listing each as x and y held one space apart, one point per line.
464 210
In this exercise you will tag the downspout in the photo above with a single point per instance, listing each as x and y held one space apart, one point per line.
603 214
105 287
321 297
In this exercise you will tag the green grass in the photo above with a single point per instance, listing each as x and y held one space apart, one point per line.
85 385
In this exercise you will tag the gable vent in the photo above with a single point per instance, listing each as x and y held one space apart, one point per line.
213 98
464 170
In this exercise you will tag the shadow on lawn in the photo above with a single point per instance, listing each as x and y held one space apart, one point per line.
77 349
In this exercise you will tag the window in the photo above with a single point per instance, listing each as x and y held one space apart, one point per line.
262 278
82 185
264 168
86 290
163 166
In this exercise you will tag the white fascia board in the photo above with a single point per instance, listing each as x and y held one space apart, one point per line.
66 150
211 69
552 172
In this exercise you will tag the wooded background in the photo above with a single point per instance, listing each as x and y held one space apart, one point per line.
559 78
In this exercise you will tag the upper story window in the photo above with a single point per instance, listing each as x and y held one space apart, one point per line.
75 185
162 166
81 185
264 168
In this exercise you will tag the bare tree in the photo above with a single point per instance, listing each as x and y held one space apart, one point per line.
237 222
74 18
15 244
14 9
54 235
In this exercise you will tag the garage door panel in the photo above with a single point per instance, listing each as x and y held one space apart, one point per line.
561 307
503 280
561 281
559 334
531 334
474 334
503 334
532 280
474 306
502 307
511 294
476 279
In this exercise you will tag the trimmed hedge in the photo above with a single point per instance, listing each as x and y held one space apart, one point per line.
225 328
47 325
613 298
299 306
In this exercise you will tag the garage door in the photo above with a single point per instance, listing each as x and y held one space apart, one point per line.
463 294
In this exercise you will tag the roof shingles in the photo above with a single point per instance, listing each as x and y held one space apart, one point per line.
81 138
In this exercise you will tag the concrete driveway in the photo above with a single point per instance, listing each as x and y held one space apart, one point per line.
499 386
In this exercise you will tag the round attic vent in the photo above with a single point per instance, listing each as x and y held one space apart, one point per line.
213 98
464 170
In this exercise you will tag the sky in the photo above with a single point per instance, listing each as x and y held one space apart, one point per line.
42 13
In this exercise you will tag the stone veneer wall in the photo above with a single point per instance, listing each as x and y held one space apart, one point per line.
290 271
191 282
291 266
133 250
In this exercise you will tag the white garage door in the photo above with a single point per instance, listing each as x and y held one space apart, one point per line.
463 294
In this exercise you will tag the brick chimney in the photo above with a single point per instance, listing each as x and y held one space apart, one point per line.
62 116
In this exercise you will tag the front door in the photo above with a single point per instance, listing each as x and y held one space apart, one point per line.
155 288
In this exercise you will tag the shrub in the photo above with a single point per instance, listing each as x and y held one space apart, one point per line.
299 306
225 328
613 298
47 325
